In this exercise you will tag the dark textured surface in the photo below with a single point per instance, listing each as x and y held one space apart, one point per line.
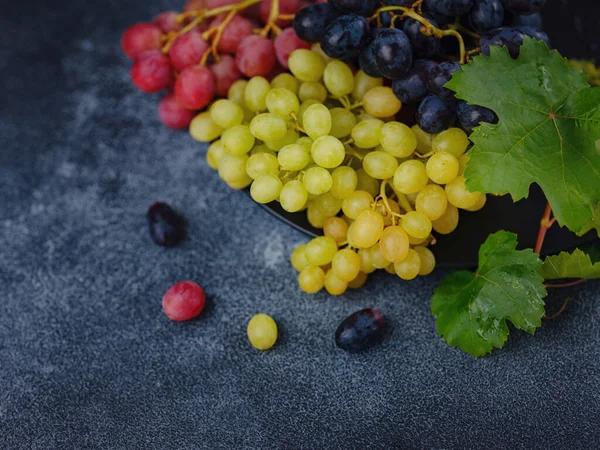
89 361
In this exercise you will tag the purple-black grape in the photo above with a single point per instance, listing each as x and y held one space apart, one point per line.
524 6
361 330
361 7
486 15
436 114
511 38
535 33
423 46
167 227
412 87
439 76
450 7
310 22
366 57
386 19
345 36
393 53
530 20
470 116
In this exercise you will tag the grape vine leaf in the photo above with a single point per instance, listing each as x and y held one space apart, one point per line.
549 124
570 265
471 309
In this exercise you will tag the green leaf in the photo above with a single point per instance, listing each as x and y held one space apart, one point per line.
549 124
471 309
570 265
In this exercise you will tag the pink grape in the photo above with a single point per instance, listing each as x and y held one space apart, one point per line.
286 43
234 32
183 301
226 73
255 56
173 115
195 87
187 50
141 37
285 7
167 21
151 72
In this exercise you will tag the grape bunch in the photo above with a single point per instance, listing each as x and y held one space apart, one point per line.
324 139
418 44
197 55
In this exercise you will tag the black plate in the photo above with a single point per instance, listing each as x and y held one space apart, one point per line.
573 30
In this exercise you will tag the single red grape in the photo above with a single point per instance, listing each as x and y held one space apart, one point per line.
183 301
255 56
167 21
141 37
187 50
195 87
173 115
151 72
234 32
286 43
226 73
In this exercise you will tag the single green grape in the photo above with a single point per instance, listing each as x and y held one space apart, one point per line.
356 203
333 284
346 265
410 267
262 332
214 154
261 164
327 204
311 279
366 134
398 139
298 259
293 196
442 168
238 140
316 121
363 83
203 129
416 224
460 196
293 157
448 222
380 165
381 102
306 65
312 90
303 107
432 201
237 92
282 102
345 181
394 244
226 113
285 81
454 141
338 78
367 229
342 122
427 260
317 180
266 189
321 250
233 168
255 94
268 127
328 152
410 177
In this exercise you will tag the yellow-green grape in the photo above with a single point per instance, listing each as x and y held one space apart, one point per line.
460 196
366 266
321 250
306 143
316 121
377 259
298 258
380 165
417 224
293 157
293 196
328 151
381 209
306 65
315 216
203 129
233 168
462 161
346 265
333 284
359 281
454 141
342 122
366 133
363 83
237 91
381 102
394 244
338 78
398 139
262 164
367 183
311 279
316 48
345 181
327 204
226 113
336 228
427 260
268 127
240 184
285 81
303 107
367 229
356 203
410 267
442 168
448 222
214 154
290 137
432 201
262 332
317 180
238 140
424 139
266 189
255 94
312 90
282 102
410 177
480 204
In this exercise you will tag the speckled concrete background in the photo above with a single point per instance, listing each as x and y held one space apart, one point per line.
89 361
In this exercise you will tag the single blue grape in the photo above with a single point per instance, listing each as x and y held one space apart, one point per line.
361 330
361 7
439 76
486 15
436 114
393 53
423 46
470 116
511 38
412 87
366 57
345 36
310 22
524 6
450 7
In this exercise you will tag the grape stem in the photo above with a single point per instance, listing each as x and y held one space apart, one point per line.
384 198
559 312
273 17
218 34
545 225
563 285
